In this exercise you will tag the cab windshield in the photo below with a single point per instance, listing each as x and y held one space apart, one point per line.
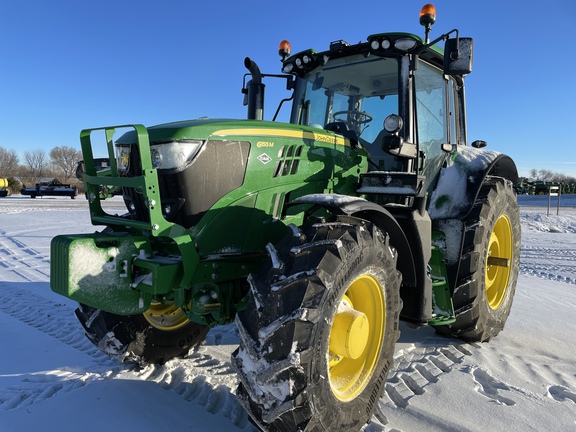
358 91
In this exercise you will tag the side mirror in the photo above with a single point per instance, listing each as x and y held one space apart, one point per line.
458 56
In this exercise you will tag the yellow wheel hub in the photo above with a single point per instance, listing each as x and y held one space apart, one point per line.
350 332
356 337
498 262
166 316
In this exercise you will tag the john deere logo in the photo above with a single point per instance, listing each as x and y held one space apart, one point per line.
264 158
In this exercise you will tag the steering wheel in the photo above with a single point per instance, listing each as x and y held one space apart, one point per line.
357 117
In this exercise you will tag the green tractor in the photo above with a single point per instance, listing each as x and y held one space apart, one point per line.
315 236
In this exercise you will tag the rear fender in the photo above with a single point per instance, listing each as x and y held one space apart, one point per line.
456 191
459 183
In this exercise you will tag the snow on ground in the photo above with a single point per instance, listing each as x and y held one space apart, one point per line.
52 378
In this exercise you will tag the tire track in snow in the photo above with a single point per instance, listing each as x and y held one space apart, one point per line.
549 263
22 261
199 382
40 386
419 367
186 377
57 320
416 368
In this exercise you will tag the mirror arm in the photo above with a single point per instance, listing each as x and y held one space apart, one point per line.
438 39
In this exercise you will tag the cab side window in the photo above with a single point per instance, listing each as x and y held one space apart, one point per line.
435 115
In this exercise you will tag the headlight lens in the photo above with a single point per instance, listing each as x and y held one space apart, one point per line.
405 44
156 157
122 156
174 155
288 68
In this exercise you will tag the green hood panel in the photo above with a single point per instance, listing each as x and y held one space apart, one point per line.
203 129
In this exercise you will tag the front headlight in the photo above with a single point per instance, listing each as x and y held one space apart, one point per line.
174 155
166 156
122 156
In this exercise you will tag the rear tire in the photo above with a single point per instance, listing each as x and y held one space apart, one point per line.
489 264
318 335
159 335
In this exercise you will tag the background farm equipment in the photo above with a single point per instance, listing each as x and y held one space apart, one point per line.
5 190
50 188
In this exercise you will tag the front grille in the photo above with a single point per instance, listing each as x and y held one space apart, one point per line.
219 168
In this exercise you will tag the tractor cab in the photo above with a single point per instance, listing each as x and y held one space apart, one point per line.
398 96
393 95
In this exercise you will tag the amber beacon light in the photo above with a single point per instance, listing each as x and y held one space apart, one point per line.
428 17
284 49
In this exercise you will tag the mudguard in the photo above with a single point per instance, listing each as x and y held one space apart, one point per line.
460 181
361 208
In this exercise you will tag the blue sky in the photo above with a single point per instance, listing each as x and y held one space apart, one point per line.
66 65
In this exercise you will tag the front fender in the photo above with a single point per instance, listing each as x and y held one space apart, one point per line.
459 182
382 218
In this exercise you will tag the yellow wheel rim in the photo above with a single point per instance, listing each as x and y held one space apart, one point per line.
356 337
498 262
165 316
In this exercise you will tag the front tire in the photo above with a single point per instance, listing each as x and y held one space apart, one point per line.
160 334
318 336
489 264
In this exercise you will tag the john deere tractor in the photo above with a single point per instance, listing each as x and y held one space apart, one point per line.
314 237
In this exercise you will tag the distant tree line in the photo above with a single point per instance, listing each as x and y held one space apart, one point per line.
550 176
59 163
